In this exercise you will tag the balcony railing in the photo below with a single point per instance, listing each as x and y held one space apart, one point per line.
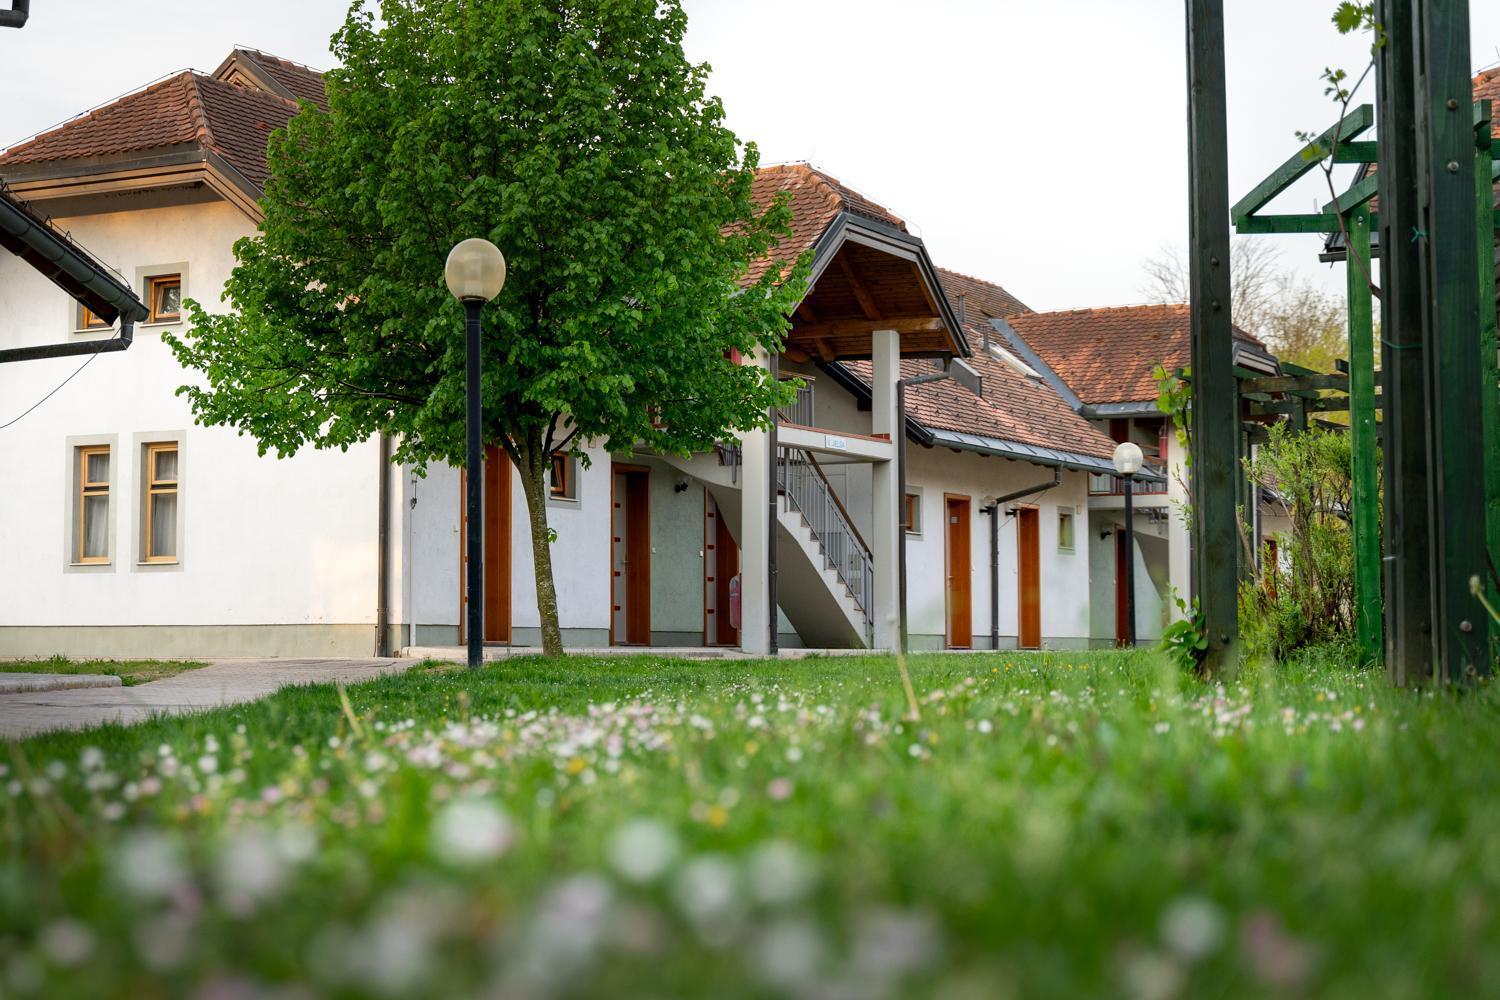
800 411
1103 485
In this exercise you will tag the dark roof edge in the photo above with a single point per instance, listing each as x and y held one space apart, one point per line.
1052 458
1032 358
66 264
890 239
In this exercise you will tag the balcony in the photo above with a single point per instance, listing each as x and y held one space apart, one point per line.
800 412
1101 485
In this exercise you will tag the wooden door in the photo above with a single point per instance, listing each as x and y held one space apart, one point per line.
630 557
958 561
497 546
1029 565
721 563
1122 568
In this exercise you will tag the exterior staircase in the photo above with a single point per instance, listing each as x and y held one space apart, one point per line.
825 576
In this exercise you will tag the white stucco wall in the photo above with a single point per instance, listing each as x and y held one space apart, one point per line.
266 541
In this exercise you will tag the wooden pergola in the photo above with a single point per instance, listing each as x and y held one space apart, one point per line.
1440 386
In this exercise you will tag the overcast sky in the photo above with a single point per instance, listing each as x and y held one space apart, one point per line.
1038 144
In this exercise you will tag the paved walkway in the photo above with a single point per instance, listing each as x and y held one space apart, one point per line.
223 682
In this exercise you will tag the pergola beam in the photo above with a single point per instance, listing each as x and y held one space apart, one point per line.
1352 125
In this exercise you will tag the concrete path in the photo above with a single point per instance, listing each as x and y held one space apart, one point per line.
223 682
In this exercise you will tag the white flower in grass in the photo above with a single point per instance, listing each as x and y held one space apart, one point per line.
889 943
149 866
163 942
56 770
471 831
1151 976
208 763
568 929
250 869
707 890
67 942
780 873
789 954
91 759
1192 928
641 850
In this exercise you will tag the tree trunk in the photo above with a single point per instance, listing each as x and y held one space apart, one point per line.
532 463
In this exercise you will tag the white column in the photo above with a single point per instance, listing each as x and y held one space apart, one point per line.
1179 539
886 489
756 470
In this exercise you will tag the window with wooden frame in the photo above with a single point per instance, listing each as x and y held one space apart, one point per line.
86 320
92 545
913 513
563 481
1066 529
161 486
164 298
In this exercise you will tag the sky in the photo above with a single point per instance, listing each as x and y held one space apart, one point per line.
1041 144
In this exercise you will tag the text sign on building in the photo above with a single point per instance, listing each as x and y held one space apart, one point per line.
835 442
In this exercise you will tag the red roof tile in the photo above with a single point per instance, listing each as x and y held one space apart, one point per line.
187 108
298 80
1108 355
816 199
982 299
1014 407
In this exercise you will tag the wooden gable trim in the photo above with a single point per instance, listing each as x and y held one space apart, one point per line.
207 169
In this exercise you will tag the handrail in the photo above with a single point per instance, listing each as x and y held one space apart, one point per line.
818 468
844 551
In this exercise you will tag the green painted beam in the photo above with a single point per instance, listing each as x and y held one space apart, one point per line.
1353 124
1359 193
1365 515
1355 152
1260 224
1484 196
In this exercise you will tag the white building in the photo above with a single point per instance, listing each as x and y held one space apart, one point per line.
135 532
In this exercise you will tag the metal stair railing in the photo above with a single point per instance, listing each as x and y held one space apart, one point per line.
801 480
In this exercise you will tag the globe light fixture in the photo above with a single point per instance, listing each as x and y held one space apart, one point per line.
1128 461
475 270
474 273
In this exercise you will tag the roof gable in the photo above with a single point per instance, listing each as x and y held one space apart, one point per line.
816 200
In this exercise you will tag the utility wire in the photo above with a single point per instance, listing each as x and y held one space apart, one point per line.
97 351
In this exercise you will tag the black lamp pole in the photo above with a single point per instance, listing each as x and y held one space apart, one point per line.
474 480
1129 478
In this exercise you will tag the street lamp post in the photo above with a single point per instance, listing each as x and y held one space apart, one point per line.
474 273
1128 459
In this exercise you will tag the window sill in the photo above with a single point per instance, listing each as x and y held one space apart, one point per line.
91 565
160 322
564 501
101 330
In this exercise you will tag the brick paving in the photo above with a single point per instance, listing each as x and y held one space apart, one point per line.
222 682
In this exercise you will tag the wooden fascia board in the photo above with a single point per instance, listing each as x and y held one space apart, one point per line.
847 227
149 173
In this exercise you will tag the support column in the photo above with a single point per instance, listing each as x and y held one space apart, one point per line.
1366 513
756 613
1489 362
1215 409
885 478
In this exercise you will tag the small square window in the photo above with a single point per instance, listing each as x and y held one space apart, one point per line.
164 298
1065 528
913 513
88 321
563 480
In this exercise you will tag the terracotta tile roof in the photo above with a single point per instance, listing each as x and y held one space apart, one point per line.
1108 355
300 81
982 299
1015 407
816 199
187 108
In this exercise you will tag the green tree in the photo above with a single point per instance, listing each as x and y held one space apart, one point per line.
575 135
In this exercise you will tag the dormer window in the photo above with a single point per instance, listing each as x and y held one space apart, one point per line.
164 298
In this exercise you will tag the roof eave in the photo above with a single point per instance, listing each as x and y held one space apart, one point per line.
1054 458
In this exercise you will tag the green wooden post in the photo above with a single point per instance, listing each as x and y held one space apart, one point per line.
1408 581
1484 191
1447 232
1366 513
1216 404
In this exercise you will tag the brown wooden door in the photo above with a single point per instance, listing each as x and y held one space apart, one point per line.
1029 564
497 546
630 557
720 565
958 559
1122 567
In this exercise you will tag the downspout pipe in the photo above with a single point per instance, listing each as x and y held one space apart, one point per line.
382 550
993 510
16 17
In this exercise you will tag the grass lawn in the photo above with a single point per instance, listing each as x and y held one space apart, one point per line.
1055 825
130 672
